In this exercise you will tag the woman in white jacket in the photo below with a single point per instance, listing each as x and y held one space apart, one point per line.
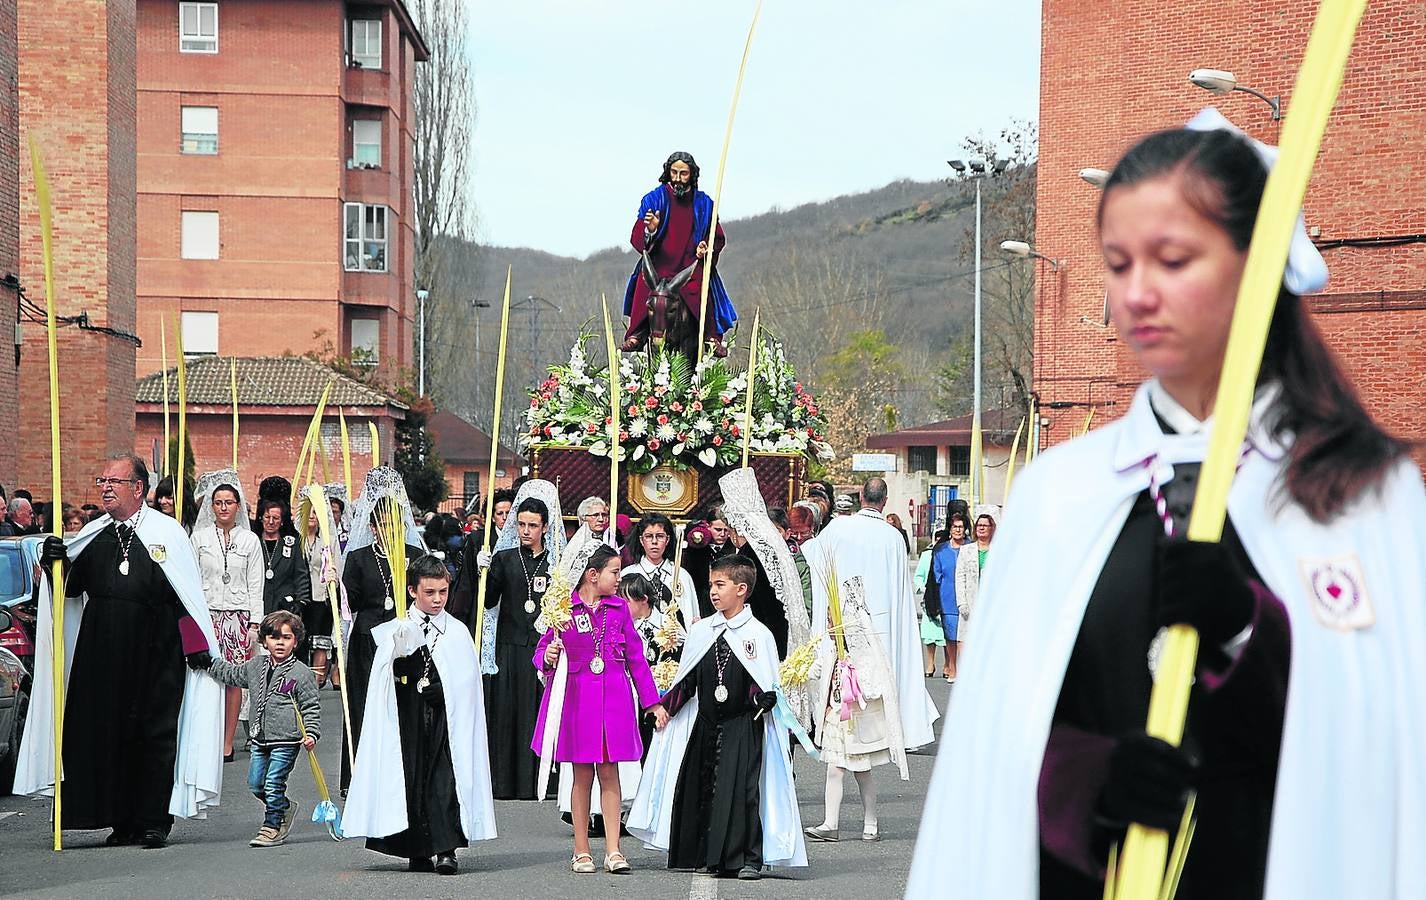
969 562
231 562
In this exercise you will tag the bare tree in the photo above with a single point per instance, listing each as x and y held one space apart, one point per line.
443 107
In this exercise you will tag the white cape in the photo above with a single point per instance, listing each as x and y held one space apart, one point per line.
865 545
1349 815
651 818
376 805
198 769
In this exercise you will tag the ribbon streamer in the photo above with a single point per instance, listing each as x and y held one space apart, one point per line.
326 812
1313 96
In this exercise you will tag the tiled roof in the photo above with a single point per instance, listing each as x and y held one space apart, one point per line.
262 381
997 427
458 441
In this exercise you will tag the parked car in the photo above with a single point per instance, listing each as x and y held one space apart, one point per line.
14 705
19 573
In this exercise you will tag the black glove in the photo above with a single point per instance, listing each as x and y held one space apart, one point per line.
51 552
1147 783
765 700
1200 585
199 659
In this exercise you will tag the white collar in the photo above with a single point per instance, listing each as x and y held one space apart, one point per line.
1173 412
438 622
738 621
656 570
133 521
1141 437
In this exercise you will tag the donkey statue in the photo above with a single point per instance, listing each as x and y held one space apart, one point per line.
670 322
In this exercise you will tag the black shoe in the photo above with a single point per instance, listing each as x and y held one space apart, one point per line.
154 838
748 873
446 864
122 837
420 864
229 758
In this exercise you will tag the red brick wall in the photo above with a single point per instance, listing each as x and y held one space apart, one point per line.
76 90
1111 73
278 181
9 234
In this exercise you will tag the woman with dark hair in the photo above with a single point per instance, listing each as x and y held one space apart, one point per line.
163 502
652 545
1307 721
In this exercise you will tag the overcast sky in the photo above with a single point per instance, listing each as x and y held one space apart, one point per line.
579 103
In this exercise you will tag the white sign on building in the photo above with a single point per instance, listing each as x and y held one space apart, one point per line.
873 462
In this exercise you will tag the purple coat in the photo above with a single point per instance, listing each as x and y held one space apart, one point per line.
601 723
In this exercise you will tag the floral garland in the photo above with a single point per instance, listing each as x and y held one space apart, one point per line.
675 413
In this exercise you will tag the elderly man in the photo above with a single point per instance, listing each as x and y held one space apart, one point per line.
141 732
22 516
863 545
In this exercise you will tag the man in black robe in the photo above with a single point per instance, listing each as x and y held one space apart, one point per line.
517 582
126 679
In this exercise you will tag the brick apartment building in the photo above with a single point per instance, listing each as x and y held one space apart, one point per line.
274 178
9 234
1111 73
76 85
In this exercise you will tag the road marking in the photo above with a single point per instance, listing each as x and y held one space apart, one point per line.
8 814
704 887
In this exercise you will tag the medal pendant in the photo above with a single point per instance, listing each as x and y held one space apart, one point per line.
530 607
422 684
720 693
390 604
539 585
124 566
227 579
596 665
269 574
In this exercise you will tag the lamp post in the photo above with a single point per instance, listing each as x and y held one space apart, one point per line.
1217 81
533 304
421 295
1094 177
1022 249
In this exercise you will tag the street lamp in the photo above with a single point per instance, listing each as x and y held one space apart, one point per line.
1095 177
421 295
1217 81
1022 249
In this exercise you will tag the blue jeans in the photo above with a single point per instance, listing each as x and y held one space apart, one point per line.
267 779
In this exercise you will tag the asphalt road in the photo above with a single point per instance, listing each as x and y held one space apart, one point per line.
211 858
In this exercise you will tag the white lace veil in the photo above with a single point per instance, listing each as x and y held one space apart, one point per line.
338 491
746 512
382 483
207 484
548 494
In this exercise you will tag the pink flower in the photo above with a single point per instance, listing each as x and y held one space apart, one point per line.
811 433
548 431
534 403
698 406
591 428
812 409
717 440
735 431
632 387
663 420
623 436
654 444
677 407
651 402
633 410
725 423
682 436
660 391
608 420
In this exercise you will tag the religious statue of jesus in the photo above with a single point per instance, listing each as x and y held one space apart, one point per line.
672 228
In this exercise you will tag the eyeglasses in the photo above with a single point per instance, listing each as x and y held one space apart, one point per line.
101 481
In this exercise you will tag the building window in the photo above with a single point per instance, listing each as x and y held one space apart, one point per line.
470 484
960 461
198 27
921 459
366 43
200 333
365 249
366 143
366 341
200 129
199 235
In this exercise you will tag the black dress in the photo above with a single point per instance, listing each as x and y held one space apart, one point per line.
290 589
512 695
367 578
432 807
716 817
1235 732
125 690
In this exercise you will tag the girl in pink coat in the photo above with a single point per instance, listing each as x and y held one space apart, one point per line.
600 723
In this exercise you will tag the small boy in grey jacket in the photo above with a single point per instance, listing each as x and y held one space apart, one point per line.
274 682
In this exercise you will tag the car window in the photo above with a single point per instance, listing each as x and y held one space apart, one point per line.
13 582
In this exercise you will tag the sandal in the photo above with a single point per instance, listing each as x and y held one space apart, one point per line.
616 864
582 864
